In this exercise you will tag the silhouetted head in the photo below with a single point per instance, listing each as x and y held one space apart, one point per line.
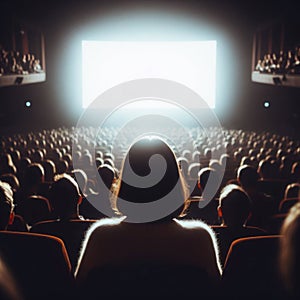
50 169
234 205
150 173
64 196
210 175
12 180
6 205
6 164
62 166
247 176
107 175
183 165
292 190
81 179
34 175
295 172
35 209
267 168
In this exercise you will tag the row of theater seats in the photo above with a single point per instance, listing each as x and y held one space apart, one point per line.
41 267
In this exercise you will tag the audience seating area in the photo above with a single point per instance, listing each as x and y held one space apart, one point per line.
43 258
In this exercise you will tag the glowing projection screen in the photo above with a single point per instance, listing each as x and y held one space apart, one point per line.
109 63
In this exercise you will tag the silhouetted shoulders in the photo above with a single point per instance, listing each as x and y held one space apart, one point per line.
111 242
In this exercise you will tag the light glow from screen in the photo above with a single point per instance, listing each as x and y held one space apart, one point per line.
106 64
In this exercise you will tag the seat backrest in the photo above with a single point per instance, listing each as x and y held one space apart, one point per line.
72 233
226 235
39 264
36 208
286 203
18 224
273 187
252 268
275 222
208 213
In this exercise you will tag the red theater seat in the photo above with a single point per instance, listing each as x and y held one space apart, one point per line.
251 269
39 264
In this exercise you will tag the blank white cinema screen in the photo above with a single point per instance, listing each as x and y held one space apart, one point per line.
109 63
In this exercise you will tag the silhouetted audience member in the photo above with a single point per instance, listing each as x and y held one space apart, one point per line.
234 210
96 204
286 166
183 165
62 166
204 206
69 225
142 235
37 156
24 163
267 169
291 197
6 205
30 185
263 206
36 208
295 172
12 180
289 251
292 191
65 197
16 222
6 164
49 169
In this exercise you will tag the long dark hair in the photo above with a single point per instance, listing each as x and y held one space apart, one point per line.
138 161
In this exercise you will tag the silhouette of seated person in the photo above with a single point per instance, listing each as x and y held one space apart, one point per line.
295 172
49 173
30 185
24 163
286 163
18 223
148 234
96 204
16 156
36 208
234 210
184 166
289 260
205 159
68 224
291 197
268 169
204 206
6 205
12 180
193 171
292 190
62 166
228 166
263 206
6 164
270 181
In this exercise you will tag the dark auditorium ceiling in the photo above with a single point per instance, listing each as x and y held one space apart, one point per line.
232 10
